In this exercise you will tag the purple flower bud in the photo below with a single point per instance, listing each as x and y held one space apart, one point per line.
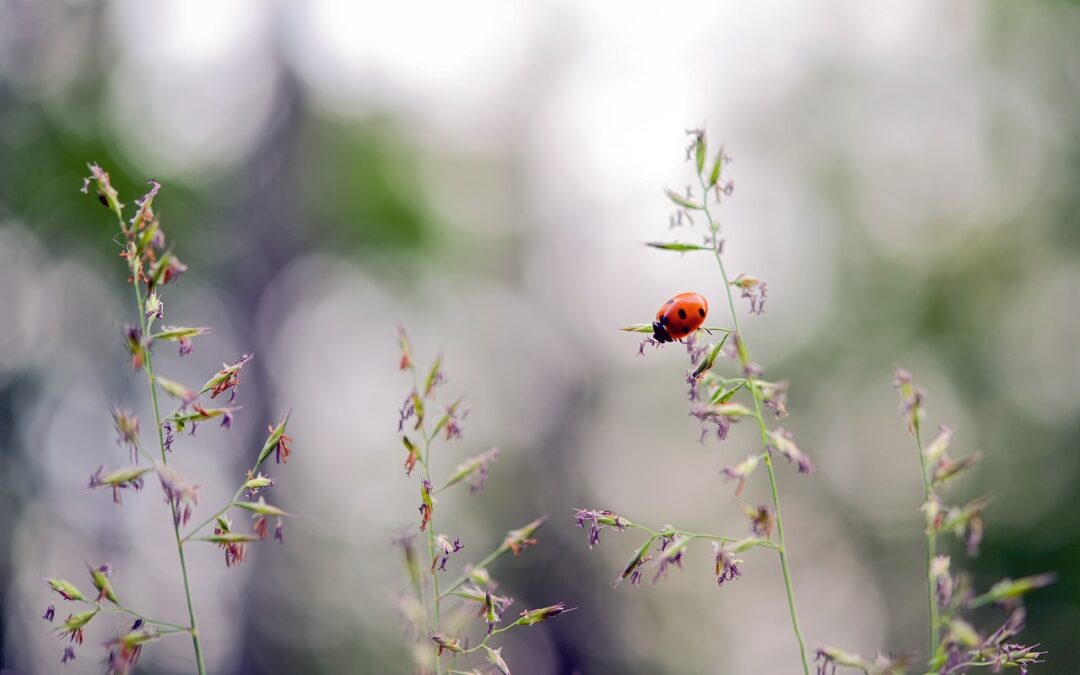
186 346
493 609
753 370
830 658
136 347
665 562
450 422
179 493
634 568
256 484
69 655
106 193
50 614
118 480
228 378
406 348
166 270
453 429
531 616
444 548
726 564
723 415
155 308
427 503
942 581
911 398
761 520
694 350
144 213
780 440
774 396
671 549
124 651
446 643
753 290
973 535
407 410
277 442
234 544
127 430
741 471
520 539
279 531
598 520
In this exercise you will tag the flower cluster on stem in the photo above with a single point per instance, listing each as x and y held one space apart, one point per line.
153 265
439 613
954 645
715 398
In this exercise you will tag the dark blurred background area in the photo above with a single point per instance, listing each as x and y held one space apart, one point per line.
485 174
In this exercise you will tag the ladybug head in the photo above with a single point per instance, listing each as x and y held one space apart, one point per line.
660 333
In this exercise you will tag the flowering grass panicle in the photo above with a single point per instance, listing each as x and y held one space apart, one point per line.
718 400
456 620
152 265
954 645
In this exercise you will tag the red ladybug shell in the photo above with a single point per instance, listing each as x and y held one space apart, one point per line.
680 316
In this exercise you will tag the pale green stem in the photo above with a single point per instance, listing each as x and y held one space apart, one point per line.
931 540
491 635
435 598
222 510
763 428
131 612
149 366
696 535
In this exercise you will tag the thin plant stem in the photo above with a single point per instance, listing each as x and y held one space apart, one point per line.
127 610
435 597
697 535
149 366
491 635
232 502
931 540
714 228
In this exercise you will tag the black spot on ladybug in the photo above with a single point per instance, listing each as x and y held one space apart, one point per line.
682 313
669 302
701 312
664 320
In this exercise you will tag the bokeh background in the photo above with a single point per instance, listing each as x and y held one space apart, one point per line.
485 173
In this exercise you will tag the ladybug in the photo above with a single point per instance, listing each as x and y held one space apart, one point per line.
680 316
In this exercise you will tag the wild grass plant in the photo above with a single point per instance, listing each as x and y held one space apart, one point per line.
457 620
719 398
954 644
152 265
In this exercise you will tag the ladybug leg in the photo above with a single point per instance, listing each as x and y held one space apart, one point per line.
644 342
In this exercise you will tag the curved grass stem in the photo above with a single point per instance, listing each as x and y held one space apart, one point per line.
931 542
436 598
149 367
755 393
